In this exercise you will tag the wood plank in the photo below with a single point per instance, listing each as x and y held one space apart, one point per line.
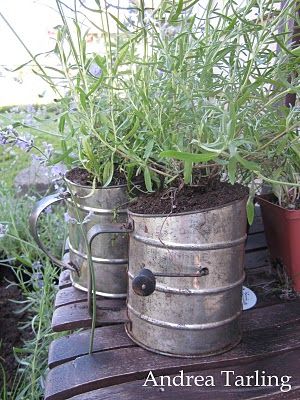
257 210
257 226
75 316
113 367
279 365
267 269
64 279
70 347
256 241
262 278
69 295
70 317
275 315
257 258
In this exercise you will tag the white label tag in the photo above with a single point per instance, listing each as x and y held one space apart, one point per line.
249 298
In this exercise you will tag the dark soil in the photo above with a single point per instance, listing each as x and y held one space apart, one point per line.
81 176
10 335
207 194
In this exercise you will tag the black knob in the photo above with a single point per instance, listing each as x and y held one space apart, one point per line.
144 283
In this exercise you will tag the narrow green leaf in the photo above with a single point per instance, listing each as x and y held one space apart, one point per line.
177 12
24 261
147 178
133 130
250 210
282 45
95 86
148 148
190 5
100 61
20 66
108 172
232 170
252 166
61 124
88 149
119 23
63 157
296 52
82 97
184 156
187 172
120 57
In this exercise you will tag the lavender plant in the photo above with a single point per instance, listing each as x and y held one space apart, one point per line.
16 242
179 87
95 116
36 278
208 89
283 164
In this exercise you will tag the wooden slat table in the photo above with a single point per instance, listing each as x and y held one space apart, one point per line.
117 369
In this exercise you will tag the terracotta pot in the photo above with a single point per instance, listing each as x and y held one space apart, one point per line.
282 228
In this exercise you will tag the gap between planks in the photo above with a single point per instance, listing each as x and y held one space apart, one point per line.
286 364
112 367
77 344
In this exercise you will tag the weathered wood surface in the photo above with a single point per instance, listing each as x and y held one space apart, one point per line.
64 280
117 368
75 345
257 225
69 295
256 241
121 365
257 258
274 366
75 315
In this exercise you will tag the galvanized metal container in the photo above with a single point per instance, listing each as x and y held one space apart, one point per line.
109 251
185 280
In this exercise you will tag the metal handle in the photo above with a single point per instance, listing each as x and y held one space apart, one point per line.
39 207
144 283
96 230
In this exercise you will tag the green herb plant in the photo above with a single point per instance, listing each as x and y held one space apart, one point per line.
36 278
208 90
284 168
178 87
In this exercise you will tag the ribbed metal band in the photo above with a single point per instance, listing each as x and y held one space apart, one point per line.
104 294
98 211
168 289
188 246
117 261
173 325
176 354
